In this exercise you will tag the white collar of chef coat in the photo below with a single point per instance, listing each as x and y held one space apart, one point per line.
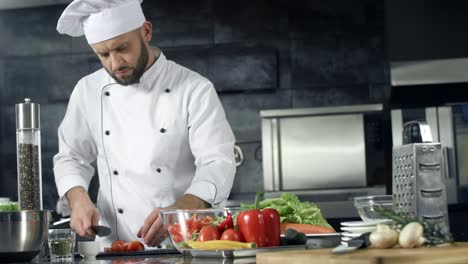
150 75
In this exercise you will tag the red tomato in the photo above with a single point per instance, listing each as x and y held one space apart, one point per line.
135 246
176 235
192 226
119 246
177 238
207 233
174 228
233 235
207 220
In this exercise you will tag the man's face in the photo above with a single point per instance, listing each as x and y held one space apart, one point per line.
124 57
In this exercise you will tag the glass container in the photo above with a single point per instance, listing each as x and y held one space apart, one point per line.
28 149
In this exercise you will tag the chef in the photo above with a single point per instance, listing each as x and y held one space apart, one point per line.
156 129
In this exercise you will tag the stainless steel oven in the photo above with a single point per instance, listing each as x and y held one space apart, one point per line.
322 148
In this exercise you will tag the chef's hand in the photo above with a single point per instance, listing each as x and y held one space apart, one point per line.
83 212
153 230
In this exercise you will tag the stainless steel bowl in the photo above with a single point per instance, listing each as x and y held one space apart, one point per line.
22 234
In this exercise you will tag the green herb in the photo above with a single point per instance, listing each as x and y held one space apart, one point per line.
433 232
195 235
61 247
292 210
9 207
169 245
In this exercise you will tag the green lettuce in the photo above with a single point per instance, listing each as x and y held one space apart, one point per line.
9 207
292 210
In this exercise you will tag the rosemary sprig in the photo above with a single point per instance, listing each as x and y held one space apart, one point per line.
433 232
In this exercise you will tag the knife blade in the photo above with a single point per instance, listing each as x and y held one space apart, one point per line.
101 231
361 241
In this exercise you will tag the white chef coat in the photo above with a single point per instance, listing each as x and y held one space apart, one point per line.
153 142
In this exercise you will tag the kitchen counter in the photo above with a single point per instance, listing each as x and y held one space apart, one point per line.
157 259
447 254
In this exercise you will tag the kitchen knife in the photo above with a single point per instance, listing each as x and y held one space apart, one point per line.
101 231
361 241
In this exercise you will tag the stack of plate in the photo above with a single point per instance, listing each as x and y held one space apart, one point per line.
354 229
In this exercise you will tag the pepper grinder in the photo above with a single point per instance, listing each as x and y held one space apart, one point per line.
28 149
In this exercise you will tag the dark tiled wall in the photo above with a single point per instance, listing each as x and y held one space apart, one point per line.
259 54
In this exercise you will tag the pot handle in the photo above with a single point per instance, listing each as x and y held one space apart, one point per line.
238 155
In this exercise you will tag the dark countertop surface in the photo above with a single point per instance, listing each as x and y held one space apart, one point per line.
167 259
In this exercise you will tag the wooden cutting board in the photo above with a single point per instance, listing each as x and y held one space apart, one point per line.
457 253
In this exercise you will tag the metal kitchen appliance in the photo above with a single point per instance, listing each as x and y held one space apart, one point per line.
418 183
28 146
318 148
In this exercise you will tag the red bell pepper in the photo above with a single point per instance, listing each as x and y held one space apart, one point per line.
228 223
260 226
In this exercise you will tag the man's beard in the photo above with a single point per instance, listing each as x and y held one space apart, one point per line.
138 70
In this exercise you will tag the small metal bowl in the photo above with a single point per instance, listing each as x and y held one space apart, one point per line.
22 234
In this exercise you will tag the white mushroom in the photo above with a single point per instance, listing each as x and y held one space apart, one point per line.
411 235
383 237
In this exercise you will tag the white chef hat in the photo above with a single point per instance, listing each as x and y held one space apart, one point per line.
100 20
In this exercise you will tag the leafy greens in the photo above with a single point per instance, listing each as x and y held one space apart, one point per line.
292 210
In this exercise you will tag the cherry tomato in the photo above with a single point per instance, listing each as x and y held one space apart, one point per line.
177 238
135 246
174 228
233 235
176 235
207 233
119 246
207 220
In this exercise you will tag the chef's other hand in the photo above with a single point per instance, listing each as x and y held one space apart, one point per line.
153 230
83 212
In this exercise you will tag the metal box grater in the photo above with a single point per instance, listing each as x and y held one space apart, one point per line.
418 184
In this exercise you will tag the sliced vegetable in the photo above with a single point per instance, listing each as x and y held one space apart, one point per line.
119 246
135 246
219 244
306 228
191 228
123 246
